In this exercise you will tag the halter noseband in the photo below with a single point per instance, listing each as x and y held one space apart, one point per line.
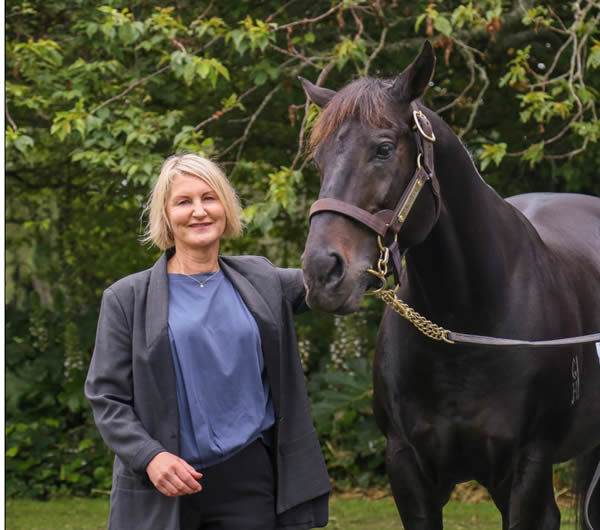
387 223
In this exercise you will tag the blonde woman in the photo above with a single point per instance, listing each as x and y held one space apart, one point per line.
195 381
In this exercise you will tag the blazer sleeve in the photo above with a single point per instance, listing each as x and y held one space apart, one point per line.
109 388
292 285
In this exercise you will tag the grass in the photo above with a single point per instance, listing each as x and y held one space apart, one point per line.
356 513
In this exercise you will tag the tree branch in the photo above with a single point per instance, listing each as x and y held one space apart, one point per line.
311 20
242 139
376 51
145 79
472 64
320 80
273 15
8 116
218 114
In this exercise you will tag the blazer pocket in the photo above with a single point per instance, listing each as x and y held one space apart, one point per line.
131 482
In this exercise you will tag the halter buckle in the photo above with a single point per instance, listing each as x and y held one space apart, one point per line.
416 115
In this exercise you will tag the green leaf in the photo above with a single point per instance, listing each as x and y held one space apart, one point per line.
23 143
443 25
126 34
492 153
189 71
593 61
202 68
419 21
91 29
534 154
260 78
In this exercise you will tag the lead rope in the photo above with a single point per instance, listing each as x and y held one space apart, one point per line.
435 332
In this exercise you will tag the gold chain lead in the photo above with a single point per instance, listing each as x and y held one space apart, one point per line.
389 297
425 326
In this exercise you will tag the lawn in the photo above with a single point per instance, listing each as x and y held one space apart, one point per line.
356 513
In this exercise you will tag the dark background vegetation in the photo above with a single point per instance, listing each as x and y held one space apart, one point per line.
98 93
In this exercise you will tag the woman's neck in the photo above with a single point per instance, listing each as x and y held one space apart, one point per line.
186 261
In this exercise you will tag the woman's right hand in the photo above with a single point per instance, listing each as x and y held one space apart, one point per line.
173 476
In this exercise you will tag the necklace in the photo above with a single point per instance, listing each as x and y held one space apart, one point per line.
199 282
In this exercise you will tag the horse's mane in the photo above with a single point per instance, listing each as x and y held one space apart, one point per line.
364 98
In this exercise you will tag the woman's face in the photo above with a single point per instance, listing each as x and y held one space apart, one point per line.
196 214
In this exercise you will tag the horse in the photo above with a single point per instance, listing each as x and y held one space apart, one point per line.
525 268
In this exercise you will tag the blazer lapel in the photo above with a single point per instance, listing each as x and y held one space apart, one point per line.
157 303
267 326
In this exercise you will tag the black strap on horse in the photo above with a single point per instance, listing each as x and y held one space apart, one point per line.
388 223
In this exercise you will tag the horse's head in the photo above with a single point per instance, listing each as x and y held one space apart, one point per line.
366 152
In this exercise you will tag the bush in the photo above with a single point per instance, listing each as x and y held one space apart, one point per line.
45 460
341 394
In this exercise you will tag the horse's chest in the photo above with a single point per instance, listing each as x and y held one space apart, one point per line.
449 407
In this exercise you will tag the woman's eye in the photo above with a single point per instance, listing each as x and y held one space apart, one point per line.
384 150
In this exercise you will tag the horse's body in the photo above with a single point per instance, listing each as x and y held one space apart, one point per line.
526 268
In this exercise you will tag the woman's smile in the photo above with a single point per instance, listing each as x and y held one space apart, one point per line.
195 213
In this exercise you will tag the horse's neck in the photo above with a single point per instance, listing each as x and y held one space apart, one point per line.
468 260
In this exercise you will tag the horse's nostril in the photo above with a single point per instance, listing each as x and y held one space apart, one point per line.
329 268
336 272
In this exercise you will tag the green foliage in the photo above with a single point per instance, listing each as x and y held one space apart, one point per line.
492 153
44 459
353 446
341 393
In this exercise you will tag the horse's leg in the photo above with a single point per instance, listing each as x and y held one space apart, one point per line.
531 504
417 500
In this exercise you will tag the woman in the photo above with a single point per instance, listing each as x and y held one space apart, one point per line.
195 381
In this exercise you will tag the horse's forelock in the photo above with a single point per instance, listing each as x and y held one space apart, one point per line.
364 99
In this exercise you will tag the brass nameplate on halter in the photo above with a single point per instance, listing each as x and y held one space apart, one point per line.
411 198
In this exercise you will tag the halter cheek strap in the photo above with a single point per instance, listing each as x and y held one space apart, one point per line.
388 223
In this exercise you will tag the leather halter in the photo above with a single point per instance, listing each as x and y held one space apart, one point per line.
387 223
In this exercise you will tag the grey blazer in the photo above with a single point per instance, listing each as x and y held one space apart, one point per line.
131 388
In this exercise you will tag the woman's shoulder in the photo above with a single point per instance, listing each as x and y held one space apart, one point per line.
260 270
131 282
257 269
248 261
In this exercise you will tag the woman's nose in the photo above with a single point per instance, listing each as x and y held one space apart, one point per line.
199 210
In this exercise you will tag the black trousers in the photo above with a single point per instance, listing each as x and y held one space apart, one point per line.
238 494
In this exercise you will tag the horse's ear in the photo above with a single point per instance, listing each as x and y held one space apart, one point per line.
413 81
319 95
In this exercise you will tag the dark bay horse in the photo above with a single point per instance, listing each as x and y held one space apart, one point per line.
524 268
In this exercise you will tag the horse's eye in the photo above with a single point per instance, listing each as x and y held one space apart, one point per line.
385 150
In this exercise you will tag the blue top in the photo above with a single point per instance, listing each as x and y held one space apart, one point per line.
223 395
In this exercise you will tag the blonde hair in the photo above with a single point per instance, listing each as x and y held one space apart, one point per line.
158 230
